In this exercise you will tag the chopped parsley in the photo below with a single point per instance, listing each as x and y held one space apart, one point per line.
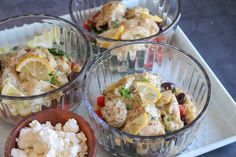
143 79
169 118
129 107
57 52
53 78
116 23
125 92
153 118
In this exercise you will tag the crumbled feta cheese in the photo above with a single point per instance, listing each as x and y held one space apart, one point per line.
58 126
71 126
18 153
35 125
44 140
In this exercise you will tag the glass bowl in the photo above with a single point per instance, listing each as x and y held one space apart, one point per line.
175 66
48 31
169 10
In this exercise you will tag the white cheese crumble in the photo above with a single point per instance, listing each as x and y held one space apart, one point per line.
45 140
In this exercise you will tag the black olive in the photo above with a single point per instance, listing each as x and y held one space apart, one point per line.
183 119
168 86
181 98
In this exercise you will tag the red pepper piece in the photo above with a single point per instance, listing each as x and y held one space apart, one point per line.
99 113
101 101
182 109
87 27
90 22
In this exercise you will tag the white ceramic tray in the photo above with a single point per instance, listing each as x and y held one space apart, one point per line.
218 127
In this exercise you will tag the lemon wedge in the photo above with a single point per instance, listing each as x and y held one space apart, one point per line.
119 32
113 34
148 92
15 106
36 66
155 17
136 121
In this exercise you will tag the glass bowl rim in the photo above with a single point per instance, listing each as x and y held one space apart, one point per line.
164 136
167 29
70 83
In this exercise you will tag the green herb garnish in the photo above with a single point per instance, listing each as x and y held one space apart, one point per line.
57 52
143 79
169 118
153 118
116 23
125 92
53 78
129 107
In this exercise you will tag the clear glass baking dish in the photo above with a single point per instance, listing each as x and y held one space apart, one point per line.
175 66
48 31
169 10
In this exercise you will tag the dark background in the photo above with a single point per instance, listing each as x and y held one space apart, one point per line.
209 24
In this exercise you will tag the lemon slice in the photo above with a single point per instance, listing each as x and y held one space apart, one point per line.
36 66
113 34
137 124
119 32
148 92
15 106
155 17
10 90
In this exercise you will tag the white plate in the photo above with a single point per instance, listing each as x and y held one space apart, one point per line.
217 129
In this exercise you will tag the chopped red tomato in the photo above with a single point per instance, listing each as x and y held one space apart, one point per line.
98 112
182 109
87 27
101 101
75 67
162 39
90 22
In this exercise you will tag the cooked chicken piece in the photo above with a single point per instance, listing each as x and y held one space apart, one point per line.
191 112
63 64
125 81
110 12
139 28
61 78
136 12
135 100
15 59
165 98
9 76
115 112
153 128
172 122
134 113
152 111
172 107
169 104
35 87
170 110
